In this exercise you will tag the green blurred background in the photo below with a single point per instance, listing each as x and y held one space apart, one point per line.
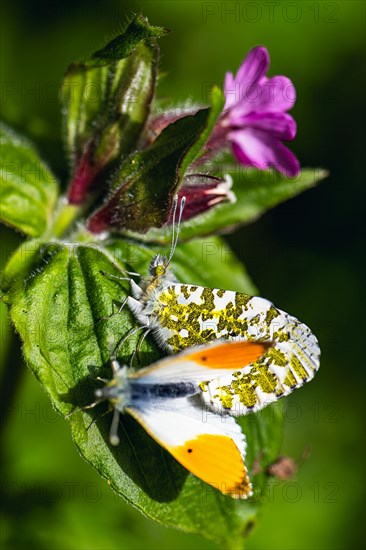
304 255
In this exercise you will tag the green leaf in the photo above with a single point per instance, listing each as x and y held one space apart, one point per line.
28 187
211 263
123 45
256 192
217 104
63 313
148 180
106 102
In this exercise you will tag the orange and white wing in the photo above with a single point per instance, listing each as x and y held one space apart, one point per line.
202 363
239 377
288 364
210 446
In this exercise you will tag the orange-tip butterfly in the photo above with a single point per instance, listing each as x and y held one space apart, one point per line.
166 398
249 354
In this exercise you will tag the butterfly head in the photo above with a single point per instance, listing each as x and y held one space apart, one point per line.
117 390
159 273
158 266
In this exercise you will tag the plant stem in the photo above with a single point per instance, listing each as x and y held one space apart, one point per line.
65 215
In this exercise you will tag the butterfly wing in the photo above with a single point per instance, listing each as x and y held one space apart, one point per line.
210 446
186 315
239 377
202 363
287 365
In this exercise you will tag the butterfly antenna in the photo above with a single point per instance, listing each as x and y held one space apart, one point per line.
117 278
176 225
175 206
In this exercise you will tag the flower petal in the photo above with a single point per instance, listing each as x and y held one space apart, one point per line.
257 148
278 94
254 66
239 90
230 93
279 125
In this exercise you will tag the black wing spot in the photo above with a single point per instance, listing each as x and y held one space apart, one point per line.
189 450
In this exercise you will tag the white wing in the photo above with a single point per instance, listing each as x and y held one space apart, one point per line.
210 446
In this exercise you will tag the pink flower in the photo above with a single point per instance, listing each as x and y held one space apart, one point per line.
255 120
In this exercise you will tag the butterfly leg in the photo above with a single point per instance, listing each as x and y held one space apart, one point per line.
80 409
139 344
117 313
98 418
123 340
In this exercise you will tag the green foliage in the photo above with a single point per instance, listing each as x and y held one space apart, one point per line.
28 188
106 101
93 95
60 289
256 192
123 45
148 180
65 318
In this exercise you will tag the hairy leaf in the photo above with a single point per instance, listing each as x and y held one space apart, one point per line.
28 187
66 312
106 103
143 190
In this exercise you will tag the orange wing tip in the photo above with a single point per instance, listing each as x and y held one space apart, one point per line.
230 355
240 491
216 460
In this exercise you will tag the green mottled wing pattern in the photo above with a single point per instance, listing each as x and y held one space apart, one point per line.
186 315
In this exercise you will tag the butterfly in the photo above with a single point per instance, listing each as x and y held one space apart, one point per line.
166 398
249 354
184 315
